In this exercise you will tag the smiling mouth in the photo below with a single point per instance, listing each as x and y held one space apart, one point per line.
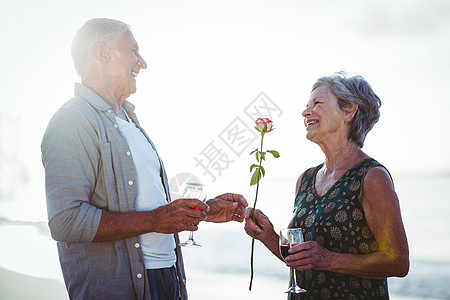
311 122
134 74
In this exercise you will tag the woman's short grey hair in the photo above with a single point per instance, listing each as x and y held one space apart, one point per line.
354 89
93 31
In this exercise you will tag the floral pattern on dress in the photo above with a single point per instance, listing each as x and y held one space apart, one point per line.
336 221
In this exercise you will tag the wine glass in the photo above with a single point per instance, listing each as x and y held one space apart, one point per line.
193 191
288 238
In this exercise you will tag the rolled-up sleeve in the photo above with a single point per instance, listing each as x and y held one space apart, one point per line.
70 154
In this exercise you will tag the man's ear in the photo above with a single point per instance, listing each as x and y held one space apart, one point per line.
350 111
101 52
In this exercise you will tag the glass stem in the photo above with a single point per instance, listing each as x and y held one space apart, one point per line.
294 276
191 236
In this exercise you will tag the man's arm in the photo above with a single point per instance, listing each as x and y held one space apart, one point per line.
71 156
170 218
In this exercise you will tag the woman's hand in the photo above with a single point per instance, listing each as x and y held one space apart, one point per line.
309 256
261 226
263 230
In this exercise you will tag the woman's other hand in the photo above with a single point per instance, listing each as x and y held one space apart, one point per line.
309 256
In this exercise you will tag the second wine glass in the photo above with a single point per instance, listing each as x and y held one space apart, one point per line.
193 191
288 238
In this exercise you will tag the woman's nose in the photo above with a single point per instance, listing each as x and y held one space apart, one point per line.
306 112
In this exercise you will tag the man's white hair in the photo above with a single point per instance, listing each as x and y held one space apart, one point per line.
93 31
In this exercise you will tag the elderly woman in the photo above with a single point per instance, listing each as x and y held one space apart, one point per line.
108 198
346 206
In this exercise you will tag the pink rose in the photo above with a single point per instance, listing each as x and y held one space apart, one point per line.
264 125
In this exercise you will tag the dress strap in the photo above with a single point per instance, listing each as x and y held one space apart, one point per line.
307 178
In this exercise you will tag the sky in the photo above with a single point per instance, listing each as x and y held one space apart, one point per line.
210 60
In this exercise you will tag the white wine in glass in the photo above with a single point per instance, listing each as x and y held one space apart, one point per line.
288 238
193 191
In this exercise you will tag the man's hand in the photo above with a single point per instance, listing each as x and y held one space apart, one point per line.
226 207
179 215
174 217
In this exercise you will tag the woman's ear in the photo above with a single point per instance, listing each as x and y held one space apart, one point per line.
350 111
101 52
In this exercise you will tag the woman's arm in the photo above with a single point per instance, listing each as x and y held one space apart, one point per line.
382 211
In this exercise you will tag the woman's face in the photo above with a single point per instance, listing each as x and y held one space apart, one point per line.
324 121
125 64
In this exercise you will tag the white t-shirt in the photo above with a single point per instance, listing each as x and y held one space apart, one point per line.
158 248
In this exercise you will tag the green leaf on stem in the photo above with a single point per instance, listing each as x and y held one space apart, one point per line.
274 153
263 171
263 155
251 153
253 166
255 177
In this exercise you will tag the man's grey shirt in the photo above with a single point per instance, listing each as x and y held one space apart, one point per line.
89 168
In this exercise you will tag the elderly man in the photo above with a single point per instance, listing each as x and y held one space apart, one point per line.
108 198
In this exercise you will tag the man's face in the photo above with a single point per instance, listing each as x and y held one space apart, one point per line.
124 65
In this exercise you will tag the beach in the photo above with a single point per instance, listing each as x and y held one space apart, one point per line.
15 286
201 285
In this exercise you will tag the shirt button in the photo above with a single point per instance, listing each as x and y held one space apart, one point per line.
137 245
139 275
130 182
128 153
115 126
110 111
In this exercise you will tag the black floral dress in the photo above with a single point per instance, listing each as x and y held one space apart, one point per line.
337 222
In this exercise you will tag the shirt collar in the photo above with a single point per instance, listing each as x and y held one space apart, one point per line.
98 102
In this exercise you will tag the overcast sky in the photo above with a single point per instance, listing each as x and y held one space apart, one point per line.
208 60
